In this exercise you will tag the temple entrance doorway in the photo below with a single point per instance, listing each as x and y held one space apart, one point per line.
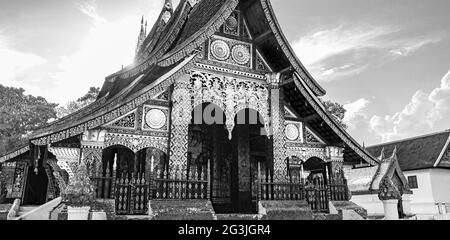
124 175
37 182
36 187
233 161
315 168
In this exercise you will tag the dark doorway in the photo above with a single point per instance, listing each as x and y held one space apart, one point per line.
36 187
316 168
233 161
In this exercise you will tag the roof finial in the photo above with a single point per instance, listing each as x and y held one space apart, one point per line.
168 5
145 28
142 35
394 153
167 11
382 155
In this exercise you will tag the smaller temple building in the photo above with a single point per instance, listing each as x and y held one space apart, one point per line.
382 189
425 161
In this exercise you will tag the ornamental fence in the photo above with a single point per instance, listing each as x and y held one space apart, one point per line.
316 191
192 183
131 194
132 191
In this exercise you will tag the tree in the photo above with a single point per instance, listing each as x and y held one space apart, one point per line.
337 111
20 115
80 103
3 191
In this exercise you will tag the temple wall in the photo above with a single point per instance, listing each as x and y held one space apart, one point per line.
371 203
432 189
440 178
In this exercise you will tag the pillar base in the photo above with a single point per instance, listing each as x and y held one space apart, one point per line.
391 209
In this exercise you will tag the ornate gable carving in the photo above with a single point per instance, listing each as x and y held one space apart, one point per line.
232 25
129 122
312 138
163 97
288 113
230 51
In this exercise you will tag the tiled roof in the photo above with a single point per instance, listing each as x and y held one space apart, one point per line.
369 179
200 15
360 180
415 153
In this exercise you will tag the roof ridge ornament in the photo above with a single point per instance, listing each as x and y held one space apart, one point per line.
394 153
193 2
168 11
382 155
142 35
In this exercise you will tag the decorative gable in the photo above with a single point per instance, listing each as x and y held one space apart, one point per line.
128 121
312 138
261 64
230 51
288 113
163 97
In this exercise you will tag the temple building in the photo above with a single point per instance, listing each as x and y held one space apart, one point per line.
425 161
382 190
216 116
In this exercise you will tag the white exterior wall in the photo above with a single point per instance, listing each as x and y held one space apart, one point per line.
371 203
440 180
433 189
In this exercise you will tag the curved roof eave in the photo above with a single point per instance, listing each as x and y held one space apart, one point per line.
180 16
17 152
288 51
315 103
110 110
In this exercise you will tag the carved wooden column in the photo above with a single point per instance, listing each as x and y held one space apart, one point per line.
92 144
242 145
335 157
277 130
181 118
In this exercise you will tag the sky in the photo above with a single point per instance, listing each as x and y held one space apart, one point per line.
386 61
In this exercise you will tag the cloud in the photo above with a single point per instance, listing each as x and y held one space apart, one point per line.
15 65
346 50
418 117
107 47
410 46
356 113
90 9
323 44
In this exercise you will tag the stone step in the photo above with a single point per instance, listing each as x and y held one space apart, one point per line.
138 217
326 216
25 209
231 217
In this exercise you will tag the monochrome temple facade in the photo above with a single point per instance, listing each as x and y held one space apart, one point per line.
216 108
